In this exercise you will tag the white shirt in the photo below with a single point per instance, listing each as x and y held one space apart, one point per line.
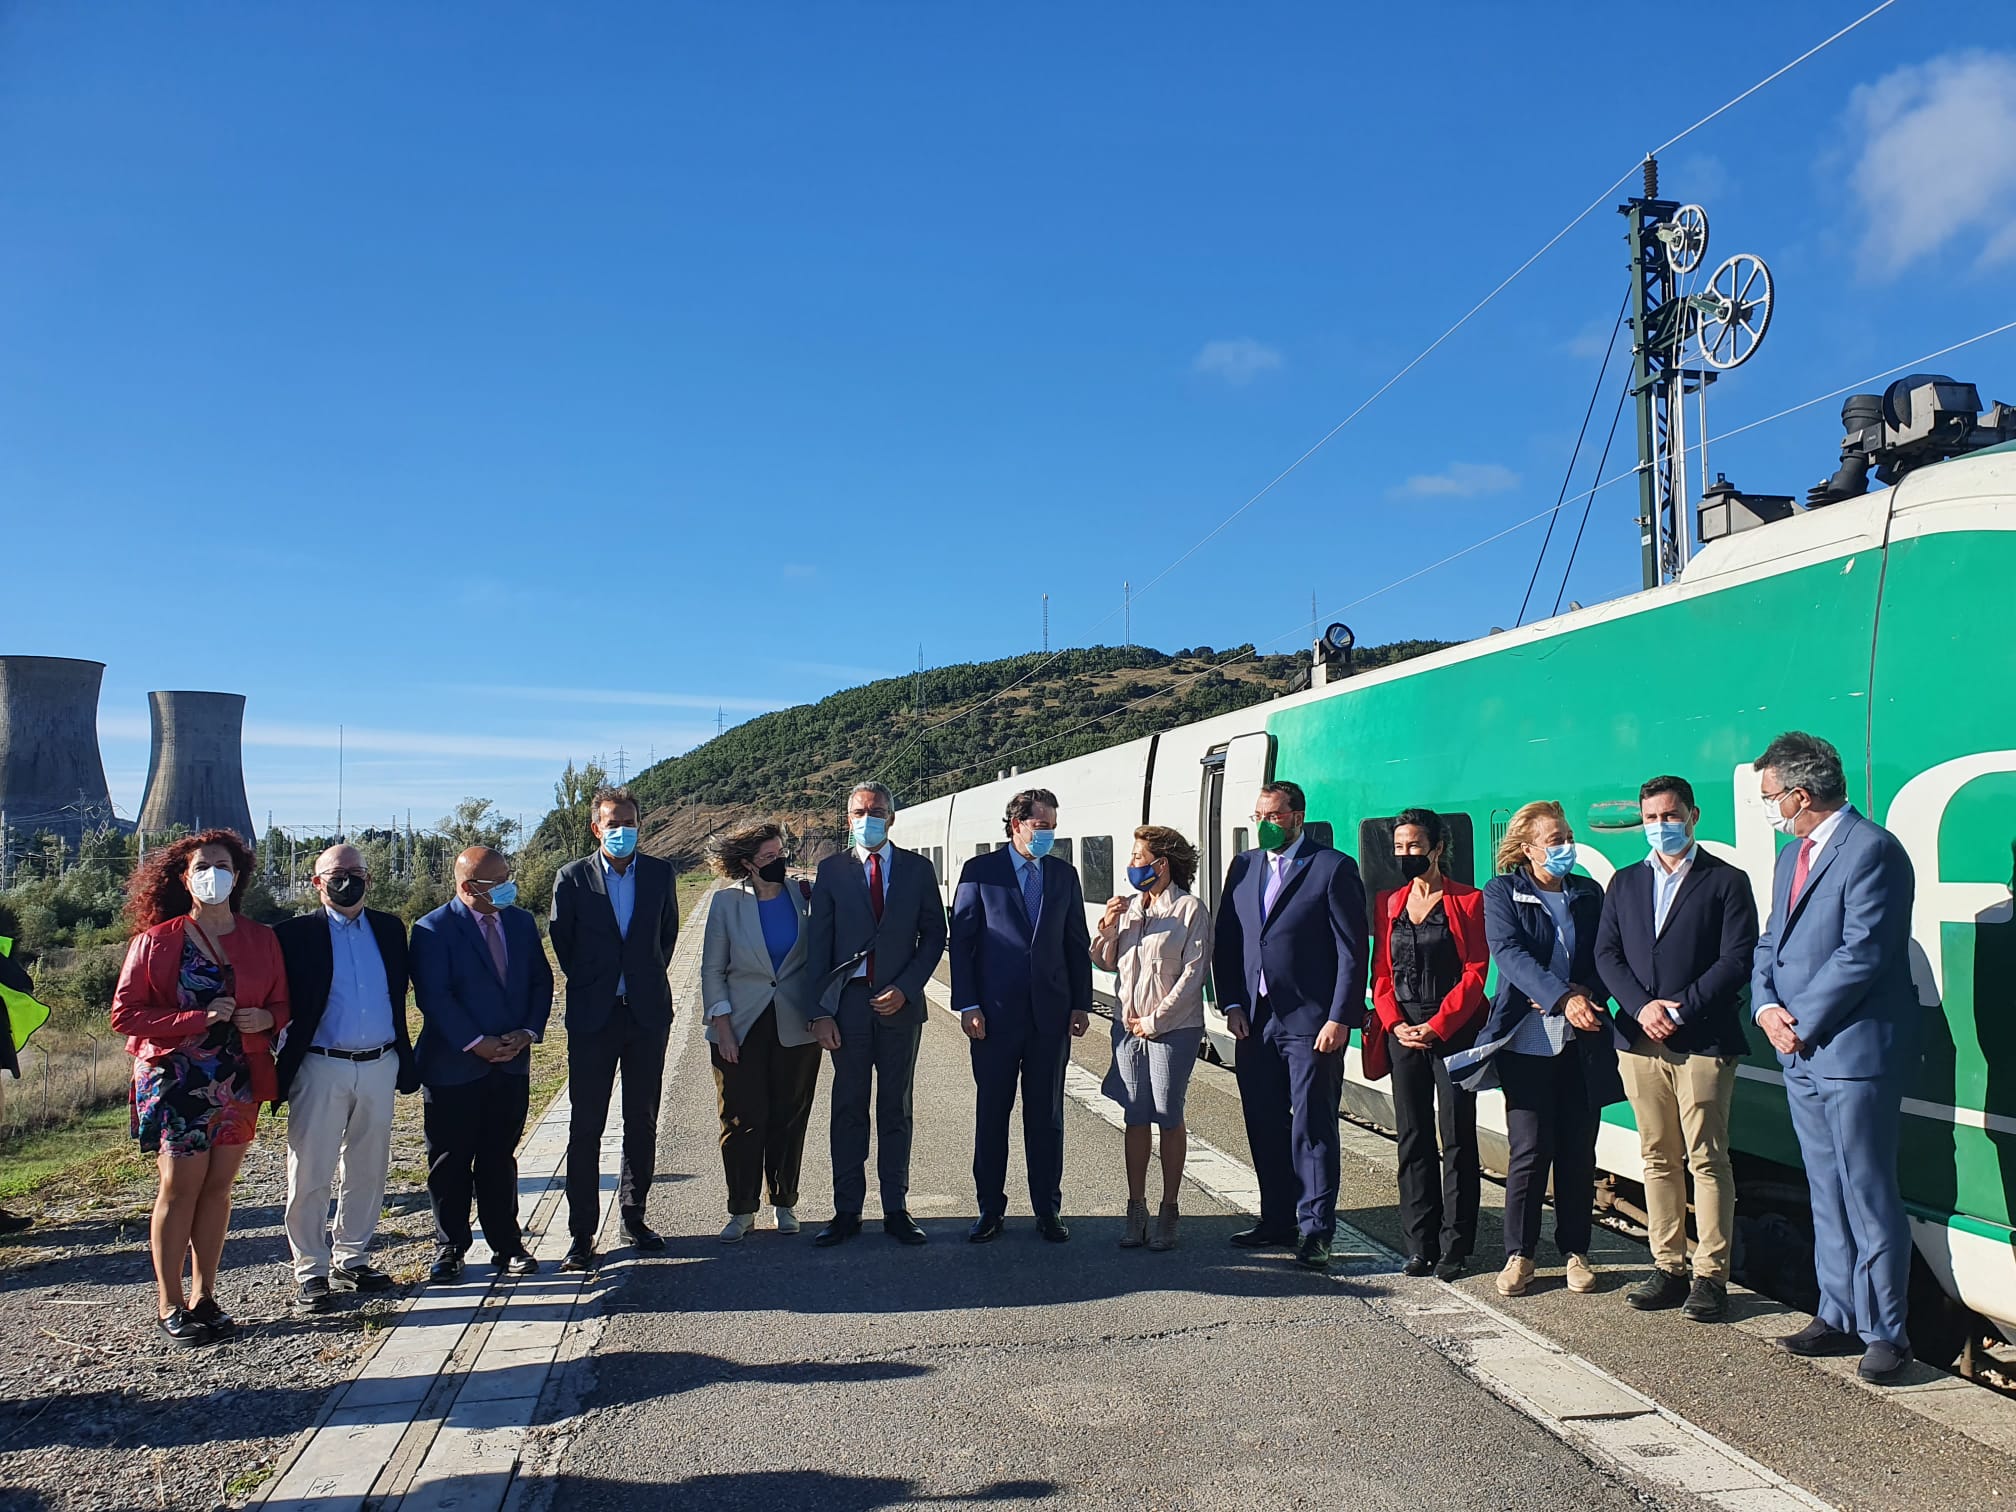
888 855
1822 833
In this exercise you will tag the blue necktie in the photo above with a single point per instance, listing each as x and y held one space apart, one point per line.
1032 890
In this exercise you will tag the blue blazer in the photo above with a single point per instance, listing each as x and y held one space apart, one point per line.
1313 948
1521 930
1002 966
1840 963
460 998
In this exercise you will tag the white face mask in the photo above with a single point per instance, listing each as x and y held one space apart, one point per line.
1778 820
211 884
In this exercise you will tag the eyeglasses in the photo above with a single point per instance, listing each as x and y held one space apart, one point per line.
361 876
484 884
1778 797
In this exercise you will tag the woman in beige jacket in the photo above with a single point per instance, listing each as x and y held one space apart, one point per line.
757 986
1159 941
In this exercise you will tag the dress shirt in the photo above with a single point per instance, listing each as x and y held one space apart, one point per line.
622 887
1666 886
1822 833
359 1011
888 854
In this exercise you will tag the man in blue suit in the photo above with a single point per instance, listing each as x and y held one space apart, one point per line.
485 991
1022 986
1289 966
1832 990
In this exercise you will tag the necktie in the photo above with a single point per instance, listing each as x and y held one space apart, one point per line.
1799 873
875 901
1032 890
493 936
1276 869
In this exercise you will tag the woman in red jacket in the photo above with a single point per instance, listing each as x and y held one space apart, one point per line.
1429 960
200 1000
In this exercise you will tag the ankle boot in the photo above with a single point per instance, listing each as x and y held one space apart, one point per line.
1137 1224
1165 1228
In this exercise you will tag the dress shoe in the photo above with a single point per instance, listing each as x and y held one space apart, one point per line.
363 1276
220 1323
1449 1267
1708 1302
1515 1277
1264 1238
1581 1274
1819 1340
520 1264
183 1331
580 1257
13 1223
1051 1227
736 1229
787 1221
1313 1253
985 1230
1884 1364
843 1227
901 1227
313 1295
644 1237
1417 1265
1661 1289
446 1269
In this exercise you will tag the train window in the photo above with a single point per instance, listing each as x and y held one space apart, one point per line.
1240 839
1320 833
1380 868
983 849
999 845
1062 850
936 856
1098 868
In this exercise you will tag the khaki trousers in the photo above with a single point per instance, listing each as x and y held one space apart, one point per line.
1681 1103
339 1135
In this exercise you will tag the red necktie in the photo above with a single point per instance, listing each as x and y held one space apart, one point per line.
1799 873
874 902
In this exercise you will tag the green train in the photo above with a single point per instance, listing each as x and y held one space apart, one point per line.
1860 621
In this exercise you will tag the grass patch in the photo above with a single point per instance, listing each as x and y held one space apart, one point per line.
245 1482
94 1154
692 886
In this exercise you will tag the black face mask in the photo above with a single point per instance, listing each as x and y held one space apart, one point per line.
345 891
1414 867
773 872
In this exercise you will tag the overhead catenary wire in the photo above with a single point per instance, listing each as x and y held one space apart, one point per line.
887 767
1589 503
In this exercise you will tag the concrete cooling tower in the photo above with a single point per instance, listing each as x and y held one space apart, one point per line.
51 777
196 772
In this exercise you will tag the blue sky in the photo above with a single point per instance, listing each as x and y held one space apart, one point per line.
507 384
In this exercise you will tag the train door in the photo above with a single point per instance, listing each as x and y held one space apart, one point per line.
1233 776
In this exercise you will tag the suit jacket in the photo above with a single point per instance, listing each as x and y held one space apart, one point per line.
1700 960
1009 969
1520 929
461 998
1461 1012
596 955
1312 948
1840 961
907 943
311 962
735 965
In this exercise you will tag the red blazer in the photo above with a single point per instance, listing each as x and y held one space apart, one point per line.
1463 1009
147 1005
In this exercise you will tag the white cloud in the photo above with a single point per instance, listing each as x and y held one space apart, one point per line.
643 698
1238 361
1459 480
1935 159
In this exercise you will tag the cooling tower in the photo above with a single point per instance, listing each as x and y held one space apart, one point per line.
51 777
196 772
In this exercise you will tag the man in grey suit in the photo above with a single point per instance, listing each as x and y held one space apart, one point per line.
615 922
1832 990
876 935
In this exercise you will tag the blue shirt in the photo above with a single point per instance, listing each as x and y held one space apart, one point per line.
1666 887
623 899
359 1014
780 926
1023 865
1548 1032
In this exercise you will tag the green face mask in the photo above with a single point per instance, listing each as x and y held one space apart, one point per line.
1272 836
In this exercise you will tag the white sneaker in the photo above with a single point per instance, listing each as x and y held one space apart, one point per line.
1581 1274
738 1225
787 1221
1516 1277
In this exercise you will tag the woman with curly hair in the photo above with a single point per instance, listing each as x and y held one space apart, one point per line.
201 998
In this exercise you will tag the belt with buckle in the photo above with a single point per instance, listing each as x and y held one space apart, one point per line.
353 1055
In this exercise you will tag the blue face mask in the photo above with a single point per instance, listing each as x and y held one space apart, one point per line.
504 894
1143 877
621 841
869 832
1668 837
1560 860
1040 842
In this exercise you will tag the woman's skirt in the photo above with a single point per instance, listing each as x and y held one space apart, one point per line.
195 1100
1150 1077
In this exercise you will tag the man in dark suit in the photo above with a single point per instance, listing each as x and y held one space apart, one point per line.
615 922
1022 986
876 908
1289 964
345 1054
1675 947
1831 989
485 992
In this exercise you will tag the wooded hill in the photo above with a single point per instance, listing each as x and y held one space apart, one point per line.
796 765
